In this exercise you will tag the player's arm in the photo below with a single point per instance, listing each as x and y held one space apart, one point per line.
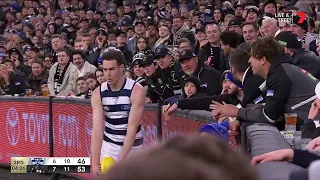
97 127
137 107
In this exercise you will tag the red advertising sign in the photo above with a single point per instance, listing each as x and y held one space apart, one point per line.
25 130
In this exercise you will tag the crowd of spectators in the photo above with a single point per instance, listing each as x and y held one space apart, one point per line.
235 58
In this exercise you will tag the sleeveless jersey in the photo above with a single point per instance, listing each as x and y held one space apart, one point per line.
116 106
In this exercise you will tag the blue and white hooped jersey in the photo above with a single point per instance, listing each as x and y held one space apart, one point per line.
116 106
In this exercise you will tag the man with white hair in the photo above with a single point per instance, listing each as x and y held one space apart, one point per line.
269 27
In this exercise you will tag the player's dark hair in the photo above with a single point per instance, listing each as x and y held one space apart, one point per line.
114 55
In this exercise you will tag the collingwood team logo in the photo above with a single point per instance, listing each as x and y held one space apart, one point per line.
13 126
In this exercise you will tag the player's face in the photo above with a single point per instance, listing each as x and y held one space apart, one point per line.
112 71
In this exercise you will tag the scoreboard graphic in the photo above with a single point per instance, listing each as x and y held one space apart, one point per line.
60 165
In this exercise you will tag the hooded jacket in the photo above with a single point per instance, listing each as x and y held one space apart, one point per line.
308 61
25 70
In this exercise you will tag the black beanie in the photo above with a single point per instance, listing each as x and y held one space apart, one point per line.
193 80
303 25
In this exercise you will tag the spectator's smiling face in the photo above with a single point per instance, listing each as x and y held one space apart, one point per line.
140 29
213 33
78 61
249 33
217 15
36 69
82 86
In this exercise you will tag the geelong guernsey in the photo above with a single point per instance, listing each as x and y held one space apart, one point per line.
116 106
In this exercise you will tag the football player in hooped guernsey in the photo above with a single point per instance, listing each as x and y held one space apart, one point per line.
117 107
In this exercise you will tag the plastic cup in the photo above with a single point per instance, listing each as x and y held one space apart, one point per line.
28 92
291 121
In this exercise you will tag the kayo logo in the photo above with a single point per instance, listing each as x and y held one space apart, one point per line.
13 126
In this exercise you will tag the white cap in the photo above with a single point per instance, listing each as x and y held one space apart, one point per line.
317 90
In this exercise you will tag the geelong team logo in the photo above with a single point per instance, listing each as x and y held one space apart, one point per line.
13 126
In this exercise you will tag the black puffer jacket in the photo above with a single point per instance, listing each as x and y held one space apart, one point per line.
308 61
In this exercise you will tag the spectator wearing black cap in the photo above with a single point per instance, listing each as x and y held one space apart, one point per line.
16 56
95 50
125 23
301 29
158 89
301 57
85 25
180 30
123 46
208 76
129 32
238 10
171 68
235 25
139 75
140 31
200 39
